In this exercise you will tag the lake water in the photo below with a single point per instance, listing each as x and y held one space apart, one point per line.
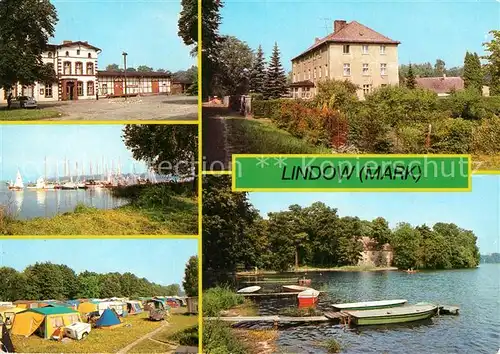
475 330
30 204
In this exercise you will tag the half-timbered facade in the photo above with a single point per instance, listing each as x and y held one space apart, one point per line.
115 83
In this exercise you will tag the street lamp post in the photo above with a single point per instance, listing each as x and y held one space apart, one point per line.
125 72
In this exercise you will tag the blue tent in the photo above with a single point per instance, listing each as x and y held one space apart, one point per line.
108 318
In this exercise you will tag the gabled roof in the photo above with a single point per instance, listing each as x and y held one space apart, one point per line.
441 84
71 44
352 32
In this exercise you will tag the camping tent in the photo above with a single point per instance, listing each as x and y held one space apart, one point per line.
134 307
7 315
108 319
6 345
44 320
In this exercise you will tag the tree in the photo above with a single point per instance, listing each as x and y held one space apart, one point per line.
131 70
405 241
12 284
493 61
113 67
168 149
25 28
144 69
411 82
473 77
275 76
234 65
337 94
380 231
188 22
190 75
258 73
440 67
210 21
160 70
190 282
88 285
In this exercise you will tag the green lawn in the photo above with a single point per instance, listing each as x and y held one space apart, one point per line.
181 218
252 136
28 114
98 341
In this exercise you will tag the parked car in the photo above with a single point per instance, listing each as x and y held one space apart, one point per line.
26 102
77 330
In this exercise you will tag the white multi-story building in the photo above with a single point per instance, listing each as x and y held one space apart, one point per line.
75 64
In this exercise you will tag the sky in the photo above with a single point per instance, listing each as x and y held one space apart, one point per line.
26 146
427 30
145 29
159 260
478 210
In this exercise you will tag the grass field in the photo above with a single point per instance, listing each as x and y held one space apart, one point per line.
163 341
28 114
98 341
171 214
249 136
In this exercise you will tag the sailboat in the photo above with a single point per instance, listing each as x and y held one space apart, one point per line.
48 185
69 185
18 185
40 184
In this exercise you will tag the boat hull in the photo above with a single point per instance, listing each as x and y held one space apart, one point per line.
391 319
398 315
307 301
374 307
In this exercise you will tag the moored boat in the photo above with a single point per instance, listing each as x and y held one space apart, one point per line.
369 305
18 185
249 290
69 186
308 297
400 314
293 288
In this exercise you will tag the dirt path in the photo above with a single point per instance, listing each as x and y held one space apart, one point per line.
147 336
215 149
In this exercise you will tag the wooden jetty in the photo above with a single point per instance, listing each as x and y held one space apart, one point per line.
274 319
271 281
284 294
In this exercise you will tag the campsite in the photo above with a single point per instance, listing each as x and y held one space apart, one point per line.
51 308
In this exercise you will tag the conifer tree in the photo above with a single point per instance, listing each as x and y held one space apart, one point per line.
258 73
275 78
410 79
473 76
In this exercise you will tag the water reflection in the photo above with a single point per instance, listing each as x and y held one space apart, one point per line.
29 204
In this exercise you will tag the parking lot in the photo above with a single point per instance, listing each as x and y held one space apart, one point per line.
134 108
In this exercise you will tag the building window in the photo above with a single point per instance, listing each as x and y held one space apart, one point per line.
78 52
365 69
80 88
293 77
90 69
383 69
67 54
309 75
314 73
48 90
50 55
90 88
382 49
42 92
320 72
90 55
347 69
383 85
346 48
366 89
67 68
326 69
104 89
78 68
365 49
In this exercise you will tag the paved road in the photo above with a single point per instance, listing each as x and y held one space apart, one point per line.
134 108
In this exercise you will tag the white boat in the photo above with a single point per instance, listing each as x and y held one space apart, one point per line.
249 290
69 185
369 305
40 184
400 314
18 185
295 288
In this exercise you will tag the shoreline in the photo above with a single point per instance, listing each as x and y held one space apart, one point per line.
303 270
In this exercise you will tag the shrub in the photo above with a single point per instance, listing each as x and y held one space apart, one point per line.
266 108
487 136
336 94
410 139
466 104
188 336
219 339
332 346
492 105
218 299
453 136
396 105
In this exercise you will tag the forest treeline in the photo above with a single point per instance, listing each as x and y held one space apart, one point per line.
48 281
236 237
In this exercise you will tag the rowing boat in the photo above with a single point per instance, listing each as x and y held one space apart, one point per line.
393 315
249 290
369 305
294 288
